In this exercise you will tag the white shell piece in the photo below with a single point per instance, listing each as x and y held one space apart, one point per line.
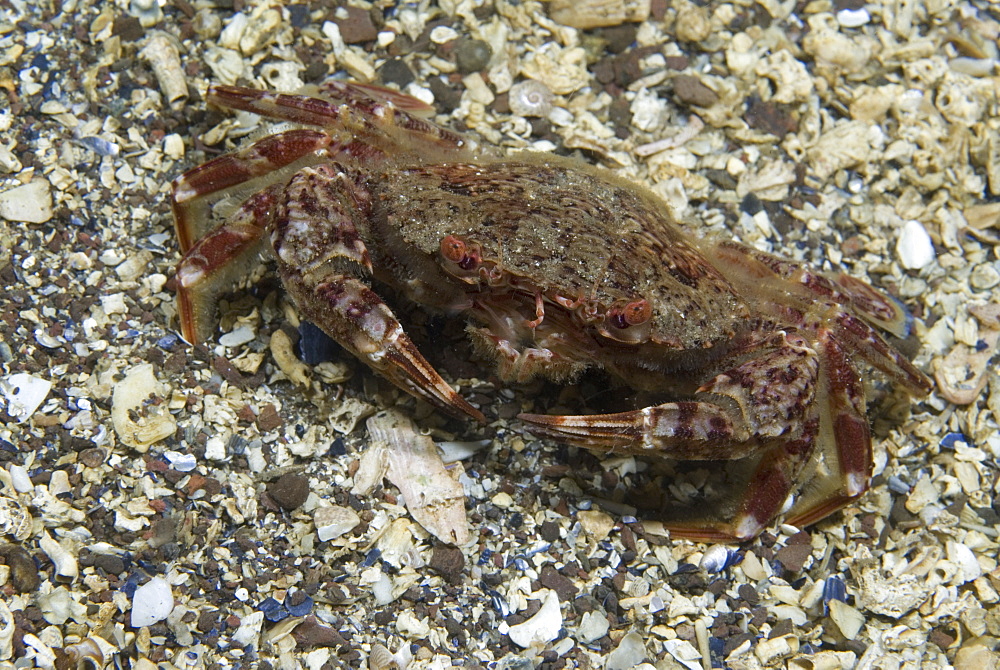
154 422
543 627
153 602
24 394
14 519
61 557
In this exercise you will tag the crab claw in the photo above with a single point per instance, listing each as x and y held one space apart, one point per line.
351 313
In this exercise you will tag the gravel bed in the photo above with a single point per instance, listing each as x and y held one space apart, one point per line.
254 502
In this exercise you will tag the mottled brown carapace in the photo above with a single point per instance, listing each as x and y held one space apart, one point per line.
558 267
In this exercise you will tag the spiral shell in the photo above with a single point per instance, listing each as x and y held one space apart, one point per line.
530 98
84 655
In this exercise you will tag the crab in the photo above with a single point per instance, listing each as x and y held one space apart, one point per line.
558 266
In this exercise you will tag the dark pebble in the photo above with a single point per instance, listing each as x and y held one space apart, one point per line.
749 594
448 562
268 419
549 531
551 579
92 457
312 633
395 71
111 564
794 556
751 204
620 38
769 118
315 71
691 91
298 15
207 620
299 604
128 28
446 98
472 55
289 491
358 26
23 571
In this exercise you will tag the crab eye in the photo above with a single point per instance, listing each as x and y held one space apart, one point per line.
633 314
638 312
453 248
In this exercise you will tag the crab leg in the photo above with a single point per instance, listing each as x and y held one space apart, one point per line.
826 298
847 449
383 124
354 315
745 412
320 255
217 259
256 160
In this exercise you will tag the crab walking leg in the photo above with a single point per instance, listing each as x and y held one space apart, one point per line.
846 446
733 413
321 254
823 300
380 124
871 346
217 260
762 410
355 316
256 160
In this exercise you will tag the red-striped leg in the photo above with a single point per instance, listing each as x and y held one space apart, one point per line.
846 448
762 411
797 294
359 120
355 316
218 259
259 159
321 257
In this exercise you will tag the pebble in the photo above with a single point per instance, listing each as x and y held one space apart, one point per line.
544 626
151 423
181 462
289 490
472 55
28 203
238 336
333 521
597 525
20 479
111 564
152 602
914 246
984 277
848 619
853 18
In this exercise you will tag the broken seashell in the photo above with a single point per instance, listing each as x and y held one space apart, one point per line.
61 557
15 520
586 14
132 398
161 54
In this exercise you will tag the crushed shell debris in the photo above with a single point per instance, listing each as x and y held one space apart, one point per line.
133 465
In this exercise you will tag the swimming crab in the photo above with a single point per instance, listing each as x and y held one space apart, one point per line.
559 266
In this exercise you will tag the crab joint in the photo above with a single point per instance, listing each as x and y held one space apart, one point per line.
461 254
